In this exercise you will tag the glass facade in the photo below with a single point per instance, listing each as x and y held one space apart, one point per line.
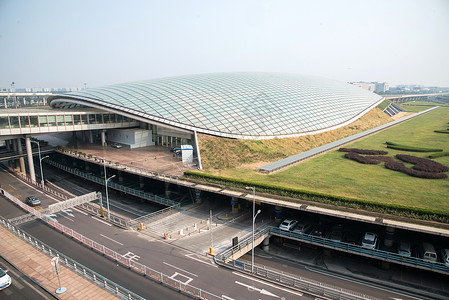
237 105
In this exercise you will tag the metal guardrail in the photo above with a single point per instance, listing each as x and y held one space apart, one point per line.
85 272
374 253
146 219
88 207
160 277
134 192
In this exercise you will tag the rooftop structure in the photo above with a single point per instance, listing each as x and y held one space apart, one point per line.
232 105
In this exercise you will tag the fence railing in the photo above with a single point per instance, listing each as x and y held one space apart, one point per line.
149 196
83 271
88 207
127 262
375 253
146 219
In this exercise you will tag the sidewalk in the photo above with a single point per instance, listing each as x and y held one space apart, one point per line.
37 266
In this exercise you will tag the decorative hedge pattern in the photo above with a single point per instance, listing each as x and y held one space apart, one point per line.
442 131
393 209
423 164
364 151
436 155
411 148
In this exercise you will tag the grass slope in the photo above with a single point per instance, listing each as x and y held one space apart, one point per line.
333 174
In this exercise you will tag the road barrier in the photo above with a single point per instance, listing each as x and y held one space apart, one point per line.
121 259
85 272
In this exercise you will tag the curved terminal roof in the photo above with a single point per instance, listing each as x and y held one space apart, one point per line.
233 105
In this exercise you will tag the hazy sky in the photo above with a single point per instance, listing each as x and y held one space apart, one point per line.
69 43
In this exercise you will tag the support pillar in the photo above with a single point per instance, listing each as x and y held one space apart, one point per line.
86 166
120 176
21 159
277 215
16 150
8 145
141 182
103 137
30 158
235 205
74 139
389 236
167 189
91 137
266 244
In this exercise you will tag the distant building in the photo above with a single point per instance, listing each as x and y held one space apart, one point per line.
381 87
365 85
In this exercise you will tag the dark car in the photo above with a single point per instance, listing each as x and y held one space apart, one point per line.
319 231
32 201
351 237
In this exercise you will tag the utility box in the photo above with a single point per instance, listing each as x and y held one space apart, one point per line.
187 153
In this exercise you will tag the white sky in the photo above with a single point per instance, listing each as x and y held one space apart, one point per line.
68 43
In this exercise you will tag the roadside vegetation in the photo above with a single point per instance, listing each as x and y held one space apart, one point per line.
332 179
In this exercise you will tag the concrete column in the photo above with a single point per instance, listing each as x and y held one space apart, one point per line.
141 182
167 189
91 137
103 137
8 145
30 158
235 205
75 139
86 166
21 159
389 236
120 176
4 100
277 215
16 150
83 136
266 244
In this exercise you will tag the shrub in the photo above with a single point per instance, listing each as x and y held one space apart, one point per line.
442 131
411 148
400 167
423 164
363 151
436 155
369 160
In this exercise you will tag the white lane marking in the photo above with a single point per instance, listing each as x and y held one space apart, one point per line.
80 211
66 217
131 256
104 222
12 187
226 297
111 239
179 269
252 288
266 283
199 260
359 282
176 274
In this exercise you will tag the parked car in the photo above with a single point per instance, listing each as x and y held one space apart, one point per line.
369 240
404 248
32 201
288 224
351 237
445 256
302 228
319 231
116 146
5 279
428 252
336 234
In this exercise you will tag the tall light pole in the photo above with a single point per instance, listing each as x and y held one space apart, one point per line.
106 180
254 219
40 161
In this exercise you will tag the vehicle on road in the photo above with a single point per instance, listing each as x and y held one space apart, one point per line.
288 224
428 252
32 201
5 279
319 231
445 256
369 240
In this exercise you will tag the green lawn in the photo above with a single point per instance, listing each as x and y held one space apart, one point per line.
331 173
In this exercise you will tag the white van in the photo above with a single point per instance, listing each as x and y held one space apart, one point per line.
429 253
445 256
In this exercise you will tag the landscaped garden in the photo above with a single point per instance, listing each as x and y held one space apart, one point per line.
333 179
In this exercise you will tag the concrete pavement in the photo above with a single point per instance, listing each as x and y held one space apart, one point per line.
36 265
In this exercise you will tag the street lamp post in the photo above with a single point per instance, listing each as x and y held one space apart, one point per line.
106 180
254 220
40 161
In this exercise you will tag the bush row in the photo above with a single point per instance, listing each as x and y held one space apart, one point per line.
400 167
442 131
369 160
423 164
411 148
409 212
363 151
440 154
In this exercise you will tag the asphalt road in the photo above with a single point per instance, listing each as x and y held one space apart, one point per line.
173 261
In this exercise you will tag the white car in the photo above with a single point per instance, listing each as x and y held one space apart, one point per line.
5 279
288 224
369 240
